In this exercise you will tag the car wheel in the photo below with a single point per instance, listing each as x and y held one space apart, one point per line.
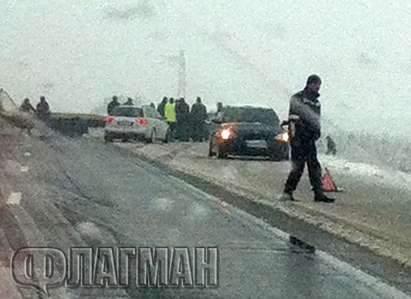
108 138
221 154
277 156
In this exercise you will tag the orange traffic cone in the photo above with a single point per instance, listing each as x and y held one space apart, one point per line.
328 182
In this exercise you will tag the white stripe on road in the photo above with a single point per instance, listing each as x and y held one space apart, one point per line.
14 199
32 235
27 154
24 169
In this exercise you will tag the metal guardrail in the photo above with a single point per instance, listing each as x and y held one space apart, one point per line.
74 124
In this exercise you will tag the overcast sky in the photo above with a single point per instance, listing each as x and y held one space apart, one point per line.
77 53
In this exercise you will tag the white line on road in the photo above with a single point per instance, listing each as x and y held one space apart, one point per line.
14 199
27 154
24 169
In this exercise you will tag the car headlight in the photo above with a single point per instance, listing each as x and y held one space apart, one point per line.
283 137
226 134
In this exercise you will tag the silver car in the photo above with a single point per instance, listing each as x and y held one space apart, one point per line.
131 122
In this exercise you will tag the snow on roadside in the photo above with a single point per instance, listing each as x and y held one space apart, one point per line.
372 173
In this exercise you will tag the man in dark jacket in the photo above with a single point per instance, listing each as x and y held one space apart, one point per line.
161 106
113 104
26 106
305 128
183 120
129 102
198 117
331 146
43 109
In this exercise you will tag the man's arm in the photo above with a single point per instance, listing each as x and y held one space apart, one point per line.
300 112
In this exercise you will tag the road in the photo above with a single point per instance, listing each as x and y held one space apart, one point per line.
82 192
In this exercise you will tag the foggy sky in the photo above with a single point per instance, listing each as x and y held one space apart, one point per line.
77 53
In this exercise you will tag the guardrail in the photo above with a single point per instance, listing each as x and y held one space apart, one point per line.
74 124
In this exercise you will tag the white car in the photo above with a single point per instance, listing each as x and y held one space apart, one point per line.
131 122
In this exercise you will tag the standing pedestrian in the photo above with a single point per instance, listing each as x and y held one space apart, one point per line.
113 104
219 115
183 119
161 106
198 117
170 116
304 118
331 146
129 102
43 109
26 106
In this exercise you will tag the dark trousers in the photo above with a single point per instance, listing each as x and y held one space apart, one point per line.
198 132
302 153
172 126
183 130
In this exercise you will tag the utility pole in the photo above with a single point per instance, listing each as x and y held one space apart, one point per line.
182 75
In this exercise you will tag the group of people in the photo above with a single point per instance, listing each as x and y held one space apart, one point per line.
115 103
42 109
185 123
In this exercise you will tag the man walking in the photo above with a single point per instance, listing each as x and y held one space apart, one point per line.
305 128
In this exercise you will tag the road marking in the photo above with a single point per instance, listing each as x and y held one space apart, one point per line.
27 154
14 199
24 169
163 204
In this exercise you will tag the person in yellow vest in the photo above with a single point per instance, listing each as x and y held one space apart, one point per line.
171 116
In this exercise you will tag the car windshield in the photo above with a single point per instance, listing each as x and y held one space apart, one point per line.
261 115
128 112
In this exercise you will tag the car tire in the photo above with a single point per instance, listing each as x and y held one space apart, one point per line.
277 156
108 138
220 154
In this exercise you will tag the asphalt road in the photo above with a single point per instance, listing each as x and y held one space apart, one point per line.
80 192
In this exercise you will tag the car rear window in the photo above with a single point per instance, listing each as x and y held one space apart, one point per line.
127 112
261 115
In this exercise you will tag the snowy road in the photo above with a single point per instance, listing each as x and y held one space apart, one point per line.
83 193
